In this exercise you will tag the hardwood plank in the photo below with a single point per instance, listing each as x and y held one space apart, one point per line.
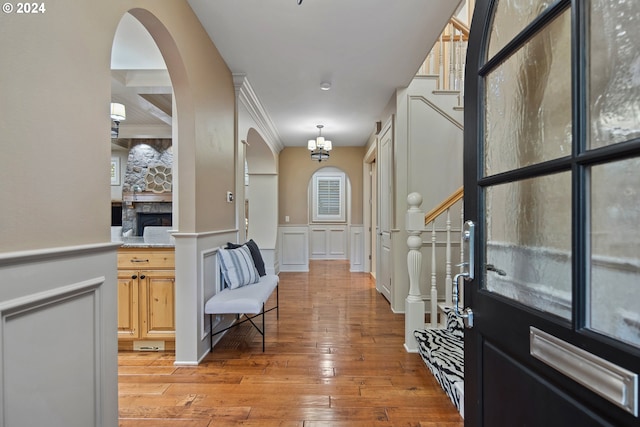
319 414
155 422
335 357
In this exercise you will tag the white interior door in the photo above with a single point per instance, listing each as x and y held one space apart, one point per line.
374 217
384 282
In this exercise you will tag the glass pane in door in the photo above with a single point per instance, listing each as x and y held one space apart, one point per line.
531 91
528 242
615 250
511 17
614 71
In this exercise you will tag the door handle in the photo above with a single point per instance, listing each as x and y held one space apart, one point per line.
467 273
491 267
467 313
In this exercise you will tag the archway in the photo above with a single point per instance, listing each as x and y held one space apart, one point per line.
261 197
178 127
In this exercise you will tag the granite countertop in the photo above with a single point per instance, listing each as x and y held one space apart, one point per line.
146 242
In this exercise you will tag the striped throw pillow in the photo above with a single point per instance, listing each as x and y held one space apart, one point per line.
237 267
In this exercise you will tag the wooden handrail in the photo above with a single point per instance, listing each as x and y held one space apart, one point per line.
442 207
460 26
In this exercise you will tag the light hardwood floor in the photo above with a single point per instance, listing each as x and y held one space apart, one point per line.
334 358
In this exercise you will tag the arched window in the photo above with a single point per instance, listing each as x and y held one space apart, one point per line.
328 197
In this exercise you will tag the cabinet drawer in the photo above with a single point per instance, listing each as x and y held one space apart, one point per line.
144 259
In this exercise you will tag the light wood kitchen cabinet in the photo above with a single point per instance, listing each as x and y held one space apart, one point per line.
146 302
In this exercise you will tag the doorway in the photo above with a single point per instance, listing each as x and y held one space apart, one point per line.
142 147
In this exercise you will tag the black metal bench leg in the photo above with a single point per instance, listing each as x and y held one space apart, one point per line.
249 319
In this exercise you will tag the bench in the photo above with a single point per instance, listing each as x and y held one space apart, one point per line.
248 300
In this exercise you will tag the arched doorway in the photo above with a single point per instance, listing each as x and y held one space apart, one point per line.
257 174
261 197
142 148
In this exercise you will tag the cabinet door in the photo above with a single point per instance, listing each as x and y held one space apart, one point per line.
128 326
157 307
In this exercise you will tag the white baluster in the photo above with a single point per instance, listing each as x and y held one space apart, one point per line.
441 64
448 280
463 56
432 62
434 288
452 57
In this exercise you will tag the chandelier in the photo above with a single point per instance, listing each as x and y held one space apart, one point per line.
319 147
118 114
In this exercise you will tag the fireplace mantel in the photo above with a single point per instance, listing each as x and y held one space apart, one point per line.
146 197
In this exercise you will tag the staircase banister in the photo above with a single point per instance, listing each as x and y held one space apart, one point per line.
460 26
442 207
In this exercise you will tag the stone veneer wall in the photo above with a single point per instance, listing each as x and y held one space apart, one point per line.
143 154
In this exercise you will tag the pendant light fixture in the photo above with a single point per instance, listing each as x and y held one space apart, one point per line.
118 114
319 147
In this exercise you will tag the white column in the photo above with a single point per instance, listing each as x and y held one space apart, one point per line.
414 306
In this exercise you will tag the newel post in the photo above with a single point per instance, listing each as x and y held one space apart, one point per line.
414 305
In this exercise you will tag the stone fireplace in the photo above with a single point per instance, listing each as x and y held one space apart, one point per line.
138 215
141 214
147 185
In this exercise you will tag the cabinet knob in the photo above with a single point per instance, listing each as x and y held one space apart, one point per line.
134 277
142 276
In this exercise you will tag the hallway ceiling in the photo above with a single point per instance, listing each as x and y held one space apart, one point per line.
365 49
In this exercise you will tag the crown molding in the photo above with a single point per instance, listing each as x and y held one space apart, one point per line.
249 99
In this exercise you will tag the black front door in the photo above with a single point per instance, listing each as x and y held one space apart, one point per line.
552 182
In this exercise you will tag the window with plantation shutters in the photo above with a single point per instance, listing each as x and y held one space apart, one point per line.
328 197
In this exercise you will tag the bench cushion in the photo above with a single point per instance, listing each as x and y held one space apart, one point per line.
246 299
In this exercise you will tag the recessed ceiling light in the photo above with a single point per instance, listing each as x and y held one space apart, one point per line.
325 85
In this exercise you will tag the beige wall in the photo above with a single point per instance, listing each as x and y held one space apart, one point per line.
296 169
54 117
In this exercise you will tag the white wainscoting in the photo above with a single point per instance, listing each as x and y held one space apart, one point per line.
197 279
294 248
299 244
357 248
58 345
328 241
208 286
